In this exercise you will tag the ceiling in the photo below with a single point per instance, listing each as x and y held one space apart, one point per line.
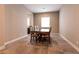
38 8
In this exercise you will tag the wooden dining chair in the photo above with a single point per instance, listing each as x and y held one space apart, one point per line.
46 36
34 36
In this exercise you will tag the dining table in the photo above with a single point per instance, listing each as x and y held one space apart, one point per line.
40 34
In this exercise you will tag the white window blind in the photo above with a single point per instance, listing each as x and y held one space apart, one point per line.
45 22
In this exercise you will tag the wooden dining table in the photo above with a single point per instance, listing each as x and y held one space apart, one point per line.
40 34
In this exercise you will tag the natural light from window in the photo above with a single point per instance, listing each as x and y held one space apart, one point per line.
45 22
28 21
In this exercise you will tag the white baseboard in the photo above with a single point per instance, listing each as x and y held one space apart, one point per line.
11 41
74 46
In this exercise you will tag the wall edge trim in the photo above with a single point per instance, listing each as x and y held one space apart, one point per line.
11 41
73 45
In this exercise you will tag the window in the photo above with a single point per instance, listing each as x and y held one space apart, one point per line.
28 22
45 22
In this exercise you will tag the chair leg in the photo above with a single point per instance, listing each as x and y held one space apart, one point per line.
31 40
49 39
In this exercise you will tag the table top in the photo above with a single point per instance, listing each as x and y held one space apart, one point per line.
41 30
45 30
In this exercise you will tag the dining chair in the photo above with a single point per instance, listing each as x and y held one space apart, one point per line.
46 36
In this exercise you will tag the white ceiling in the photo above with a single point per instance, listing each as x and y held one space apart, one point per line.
37 8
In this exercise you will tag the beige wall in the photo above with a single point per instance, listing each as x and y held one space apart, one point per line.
69 23
54 20
2 24
13 22
16 21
